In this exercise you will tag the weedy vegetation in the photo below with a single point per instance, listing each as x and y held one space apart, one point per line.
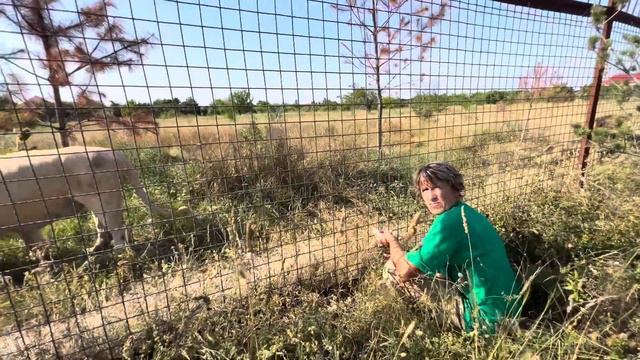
273 259
584 303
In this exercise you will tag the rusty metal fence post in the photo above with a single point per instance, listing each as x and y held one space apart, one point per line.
594 96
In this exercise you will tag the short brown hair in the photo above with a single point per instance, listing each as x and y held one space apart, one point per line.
440 172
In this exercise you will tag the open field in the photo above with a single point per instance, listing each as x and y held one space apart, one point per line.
321 131
457 135
287 206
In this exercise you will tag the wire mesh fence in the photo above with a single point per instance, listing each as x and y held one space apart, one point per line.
180 152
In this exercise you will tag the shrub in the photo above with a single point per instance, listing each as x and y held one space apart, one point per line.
163 107
558 93
241 101
389 102
328 105
612 136
133 107
262 106
273 171
425 106
190 106
360 98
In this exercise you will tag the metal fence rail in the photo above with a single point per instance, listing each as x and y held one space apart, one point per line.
272 136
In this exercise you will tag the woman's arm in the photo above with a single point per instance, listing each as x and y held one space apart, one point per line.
404 269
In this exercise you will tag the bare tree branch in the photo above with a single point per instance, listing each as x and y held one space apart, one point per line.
13 53
353 56
30 72
6 15
389 40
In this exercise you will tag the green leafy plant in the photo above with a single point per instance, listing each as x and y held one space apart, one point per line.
425 106
617 135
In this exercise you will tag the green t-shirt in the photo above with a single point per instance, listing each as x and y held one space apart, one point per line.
489 285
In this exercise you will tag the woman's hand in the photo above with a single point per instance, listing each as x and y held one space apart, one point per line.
404 270
384 238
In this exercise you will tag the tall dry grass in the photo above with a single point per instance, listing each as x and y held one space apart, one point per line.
204 136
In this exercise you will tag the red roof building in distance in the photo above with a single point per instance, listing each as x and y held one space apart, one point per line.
619 78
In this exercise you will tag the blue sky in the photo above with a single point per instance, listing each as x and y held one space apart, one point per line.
288 50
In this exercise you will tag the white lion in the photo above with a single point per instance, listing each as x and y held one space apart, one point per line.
42 186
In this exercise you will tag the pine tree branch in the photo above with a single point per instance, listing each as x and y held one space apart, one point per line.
123 48
30 72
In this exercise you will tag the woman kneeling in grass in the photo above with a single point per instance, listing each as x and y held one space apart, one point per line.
463 247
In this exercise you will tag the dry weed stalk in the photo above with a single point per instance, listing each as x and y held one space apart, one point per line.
413 225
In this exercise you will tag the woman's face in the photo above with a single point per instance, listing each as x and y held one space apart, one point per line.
438 197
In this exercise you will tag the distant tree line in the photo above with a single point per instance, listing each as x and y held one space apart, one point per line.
241 102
